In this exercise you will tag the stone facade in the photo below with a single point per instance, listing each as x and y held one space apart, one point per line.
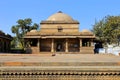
60 33
5 42
52 27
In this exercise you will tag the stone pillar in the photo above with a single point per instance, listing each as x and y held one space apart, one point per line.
88 43
80 42
91 42
38 44
52 46
80 45
66 45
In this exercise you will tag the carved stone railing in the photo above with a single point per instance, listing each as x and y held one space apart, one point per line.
58 75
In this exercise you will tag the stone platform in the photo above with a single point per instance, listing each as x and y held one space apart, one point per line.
59 67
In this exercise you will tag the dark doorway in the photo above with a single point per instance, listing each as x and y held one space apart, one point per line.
59 47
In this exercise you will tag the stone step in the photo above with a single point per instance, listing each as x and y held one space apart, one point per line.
59 64
71 68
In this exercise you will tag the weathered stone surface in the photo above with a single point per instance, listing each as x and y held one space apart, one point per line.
59 67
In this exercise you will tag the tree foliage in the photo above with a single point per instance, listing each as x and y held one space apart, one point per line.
98 29
108 29
23 26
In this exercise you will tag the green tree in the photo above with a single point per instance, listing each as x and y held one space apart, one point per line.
98 29
108 29
112 29
23 26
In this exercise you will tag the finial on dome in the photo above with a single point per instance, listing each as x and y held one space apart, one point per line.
59 11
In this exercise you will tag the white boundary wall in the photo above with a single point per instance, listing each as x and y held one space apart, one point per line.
110 49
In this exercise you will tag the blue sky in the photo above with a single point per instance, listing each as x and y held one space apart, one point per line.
85 11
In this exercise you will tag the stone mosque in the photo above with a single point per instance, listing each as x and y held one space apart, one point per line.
60 33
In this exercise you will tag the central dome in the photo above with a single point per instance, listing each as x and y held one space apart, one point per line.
60 17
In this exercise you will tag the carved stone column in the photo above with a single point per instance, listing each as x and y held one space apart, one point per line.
80 42
91 42
66 45
88 44
80 45
38 44
52 46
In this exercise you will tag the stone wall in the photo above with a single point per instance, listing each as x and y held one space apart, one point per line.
87 50
54 27
35 50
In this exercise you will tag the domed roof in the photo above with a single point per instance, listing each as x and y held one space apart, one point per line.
60 17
